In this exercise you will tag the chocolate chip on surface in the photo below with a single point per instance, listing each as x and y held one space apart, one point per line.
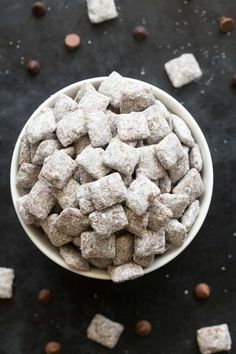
140 33
39 9
233 81
143 328
226 24
44 296
33 67
72 41
52 348
202 291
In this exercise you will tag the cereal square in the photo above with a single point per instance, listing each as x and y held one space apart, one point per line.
121 157
71 128
113 86
132 126
148 163
101 10
176 232
26 216
56 237
99 130
108 191
57 169
140 195
177 203
112 118
127 271
136 98
159 215
195 158
82 177
64 105
182 131
214 339
73 258
150 243
190 184
169 151
72 222
124 249
93 101
6 282
27 175
67 196
181 167
45 149
43 124
104 331
164 184
136 224
24 154
183 70
108 221
40 200
156 117
83 90
144 261
91 160
85 199
190 215
93 246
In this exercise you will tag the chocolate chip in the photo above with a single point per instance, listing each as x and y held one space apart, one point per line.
233 81
140 33
143 328
226 24
39 9
202 291
33 67
53 348
44 296
72 41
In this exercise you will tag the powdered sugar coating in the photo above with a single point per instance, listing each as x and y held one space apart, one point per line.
195 158
64 105
182 131
191 184
72 222
27 175
98 127
43 124
214 339
72 256
71 128
84 199
136 98
175 232
136 224
124 249
24 154
159 215
148 163
45 149
113 87
101 10
190 215
132 126
67 196
176 202
169 151
7 276
150 243
56 237
125 272
93 246
181 167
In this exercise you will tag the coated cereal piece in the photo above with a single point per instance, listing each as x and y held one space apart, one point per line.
112 118
156 117
64 105
43 124
82 176
140 194
132 126
101 10
183 70
180 168
71 128
56 237
176 202
124 248
72 257
99 130
108 191
121 157
7 276
84 199
144 262
169 151
24 154
191 184
176 232
113 86
214 339
195 158
72 222
150 243
45 149
136 224
104 331
81 144
182 131
77 241
26 216
148 163
40 200
93 246
190 215
91 160
127 271
100 263
164 184
67 196
93 101
108 221
57 169
136 98
27 175
159 215
84 89
33 149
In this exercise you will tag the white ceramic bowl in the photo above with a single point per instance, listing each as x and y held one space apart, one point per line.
36 235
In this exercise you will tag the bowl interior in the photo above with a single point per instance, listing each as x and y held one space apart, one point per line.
38 237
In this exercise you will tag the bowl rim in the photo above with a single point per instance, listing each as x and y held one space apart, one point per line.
176 108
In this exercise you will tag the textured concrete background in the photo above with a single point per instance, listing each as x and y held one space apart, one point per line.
165 296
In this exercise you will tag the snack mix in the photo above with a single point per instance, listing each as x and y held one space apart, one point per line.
111 176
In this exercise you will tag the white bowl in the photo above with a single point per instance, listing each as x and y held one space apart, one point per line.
37 236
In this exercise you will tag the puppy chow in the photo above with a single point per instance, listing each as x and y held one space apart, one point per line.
40 126
93 246
182 131
148 163
169 151
72 222
191 184
190 215
132 126
67 196
27 175
64 105
159 215
150 243
71 128
136 98
136 224
73 258
84 198
124 249
175 232
113 87
45 149
195 158
7 276
177 203
56 237
125 272
214 339
99 130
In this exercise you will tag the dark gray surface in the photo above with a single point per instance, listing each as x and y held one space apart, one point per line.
160 297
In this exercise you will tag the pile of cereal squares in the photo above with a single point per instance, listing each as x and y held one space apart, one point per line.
111 176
